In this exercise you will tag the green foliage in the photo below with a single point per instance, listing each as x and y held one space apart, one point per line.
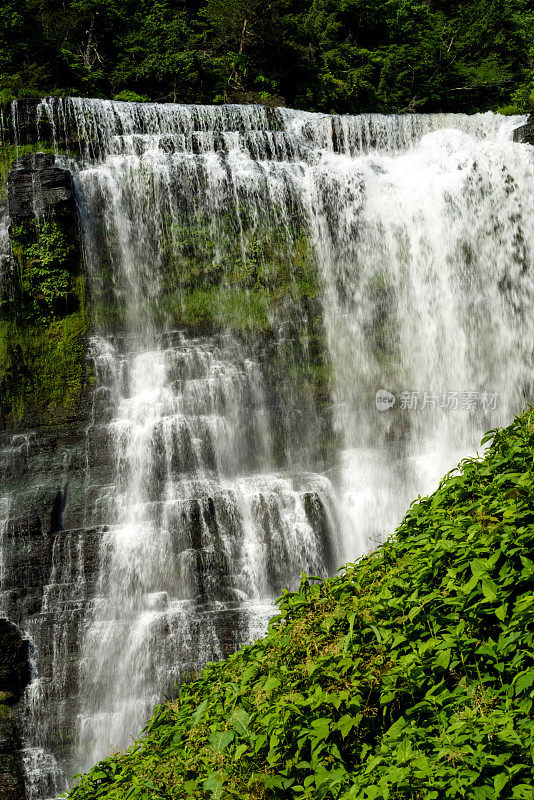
131 97
47 256
409 675
350 56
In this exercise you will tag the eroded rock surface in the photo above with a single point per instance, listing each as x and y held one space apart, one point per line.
36 185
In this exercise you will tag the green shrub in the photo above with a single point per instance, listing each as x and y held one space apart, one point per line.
131 97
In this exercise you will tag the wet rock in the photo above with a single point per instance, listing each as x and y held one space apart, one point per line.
525 133
11 774
14 660
35 185
14 677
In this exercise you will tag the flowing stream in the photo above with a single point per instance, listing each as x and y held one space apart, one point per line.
302 322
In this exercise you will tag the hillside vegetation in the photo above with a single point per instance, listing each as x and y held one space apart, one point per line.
408 675
346 56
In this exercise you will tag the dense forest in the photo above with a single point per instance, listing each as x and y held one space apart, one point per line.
324 55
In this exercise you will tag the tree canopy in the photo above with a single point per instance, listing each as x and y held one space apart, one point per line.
324 55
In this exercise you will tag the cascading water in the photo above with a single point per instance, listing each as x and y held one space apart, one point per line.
199 533
223 246
428 291
206 523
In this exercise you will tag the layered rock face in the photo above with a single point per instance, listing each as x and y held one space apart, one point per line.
42 465
37 186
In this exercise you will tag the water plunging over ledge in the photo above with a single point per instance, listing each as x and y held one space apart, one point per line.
234 254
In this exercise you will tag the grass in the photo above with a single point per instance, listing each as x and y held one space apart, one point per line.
408 675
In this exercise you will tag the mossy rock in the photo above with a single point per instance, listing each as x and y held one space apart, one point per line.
43 371
7 699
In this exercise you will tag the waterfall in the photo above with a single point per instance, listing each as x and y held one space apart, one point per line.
428 293
301 321
203 535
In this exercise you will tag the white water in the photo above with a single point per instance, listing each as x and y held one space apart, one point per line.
422 231
5 247
428 293
193 539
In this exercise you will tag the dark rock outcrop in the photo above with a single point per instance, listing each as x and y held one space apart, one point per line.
14 677
35 185
525 133
14 662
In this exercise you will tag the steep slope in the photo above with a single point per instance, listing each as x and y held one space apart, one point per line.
409 675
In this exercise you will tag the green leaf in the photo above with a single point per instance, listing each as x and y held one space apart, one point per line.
240 719
479 567
524 681
214 784
346 723
195 719
443 659
220 740
321 727
489 589
270 684
395 729
523 791
239 751
500 781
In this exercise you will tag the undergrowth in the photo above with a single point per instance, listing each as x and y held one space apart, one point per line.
408 675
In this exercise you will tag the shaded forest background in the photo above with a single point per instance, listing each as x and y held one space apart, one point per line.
322 55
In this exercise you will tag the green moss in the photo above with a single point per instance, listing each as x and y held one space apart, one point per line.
42 369
260 273
238 309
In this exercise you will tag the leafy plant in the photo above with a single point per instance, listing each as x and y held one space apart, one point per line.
48 260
